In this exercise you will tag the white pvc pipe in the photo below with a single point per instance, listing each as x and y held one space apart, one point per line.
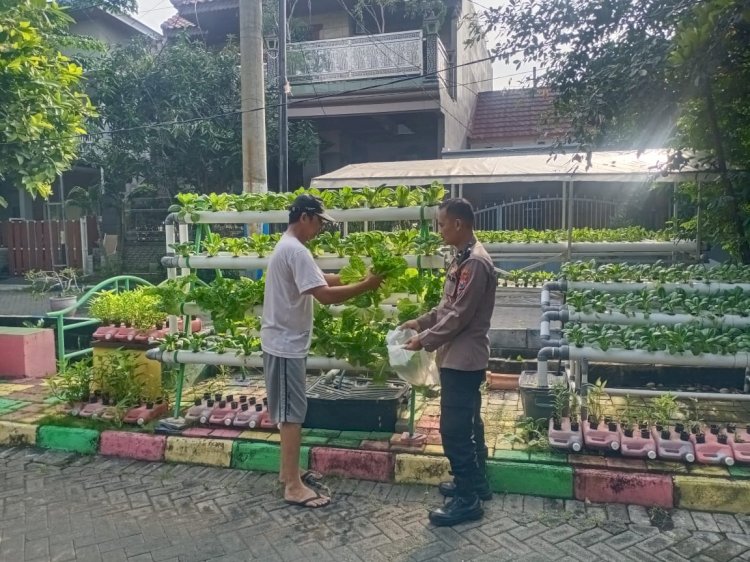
246 262
336 310
646 246
655 318
693 286
677 394
341 215
170 239
735 361
231 359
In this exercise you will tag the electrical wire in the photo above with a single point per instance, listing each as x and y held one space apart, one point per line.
261 108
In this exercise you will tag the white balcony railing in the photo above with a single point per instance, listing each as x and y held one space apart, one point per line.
384 55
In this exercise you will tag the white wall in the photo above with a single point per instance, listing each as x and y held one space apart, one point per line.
470 80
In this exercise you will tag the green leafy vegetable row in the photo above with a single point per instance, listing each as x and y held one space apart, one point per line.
398 242
735 302
672 339
682 273
528 236
188 204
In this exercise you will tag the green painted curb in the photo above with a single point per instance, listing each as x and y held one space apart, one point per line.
262 457
84 441
314 440
355 435
379 436
329 433
344 443
531 479
548 457
739 471
510 455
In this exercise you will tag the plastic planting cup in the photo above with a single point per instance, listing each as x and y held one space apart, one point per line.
673 448
741 449
600 437
710 450
639 445
565 438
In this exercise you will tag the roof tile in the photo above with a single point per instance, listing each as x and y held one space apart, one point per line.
507 114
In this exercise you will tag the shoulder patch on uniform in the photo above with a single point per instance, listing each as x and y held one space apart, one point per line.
464 279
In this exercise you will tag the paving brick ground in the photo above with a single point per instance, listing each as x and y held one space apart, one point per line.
59 506
14 302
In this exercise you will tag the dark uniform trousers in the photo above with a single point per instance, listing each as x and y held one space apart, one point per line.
462 428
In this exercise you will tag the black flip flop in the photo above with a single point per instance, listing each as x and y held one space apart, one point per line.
308 478
307 503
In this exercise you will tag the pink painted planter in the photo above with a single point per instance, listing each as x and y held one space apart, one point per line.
223 414
27 352
637 446
673 449
139 446
143 414
621 487
352 463
711 451
565 438
600 437
741 450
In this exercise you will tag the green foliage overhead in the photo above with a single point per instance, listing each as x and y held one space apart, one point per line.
193 93
636 74
43 107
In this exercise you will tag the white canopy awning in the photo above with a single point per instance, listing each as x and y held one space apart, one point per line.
622 166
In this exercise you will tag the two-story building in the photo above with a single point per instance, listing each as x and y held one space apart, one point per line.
405 94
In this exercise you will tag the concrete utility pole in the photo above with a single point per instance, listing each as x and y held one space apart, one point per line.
254 178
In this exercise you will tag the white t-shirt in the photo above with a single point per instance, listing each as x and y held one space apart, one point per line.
286 329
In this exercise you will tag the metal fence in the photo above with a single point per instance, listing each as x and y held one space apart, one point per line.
545 213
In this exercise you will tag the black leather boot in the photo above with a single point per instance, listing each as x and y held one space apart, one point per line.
482 489
457 510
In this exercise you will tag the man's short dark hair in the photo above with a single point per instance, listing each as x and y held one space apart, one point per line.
459 208
307 205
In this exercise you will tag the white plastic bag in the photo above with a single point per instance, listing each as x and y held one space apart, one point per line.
415 367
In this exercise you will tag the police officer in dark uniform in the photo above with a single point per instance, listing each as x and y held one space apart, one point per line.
458 329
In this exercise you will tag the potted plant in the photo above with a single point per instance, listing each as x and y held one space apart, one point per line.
63 283
665 408
607 438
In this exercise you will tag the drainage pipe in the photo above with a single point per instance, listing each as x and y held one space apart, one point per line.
702 287
643 247
341 215
551 286
654 318
708 288
736 361
544 355
193 309
677 394
249 262
231 359
544 329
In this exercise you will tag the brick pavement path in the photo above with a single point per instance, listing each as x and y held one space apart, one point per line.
59 506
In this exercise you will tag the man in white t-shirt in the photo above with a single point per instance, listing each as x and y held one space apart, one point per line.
293 279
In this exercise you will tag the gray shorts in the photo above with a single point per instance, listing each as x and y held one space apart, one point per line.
285 388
